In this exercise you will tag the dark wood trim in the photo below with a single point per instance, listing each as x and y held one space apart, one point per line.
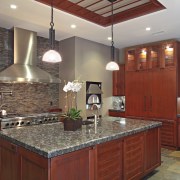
82 12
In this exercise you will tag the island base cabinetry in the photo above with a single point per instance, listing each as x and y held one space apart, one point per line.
130 157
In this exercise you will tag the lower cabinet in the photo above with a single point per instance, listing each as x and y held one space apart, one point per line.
8 161
134 156
75 165
126 158
109 160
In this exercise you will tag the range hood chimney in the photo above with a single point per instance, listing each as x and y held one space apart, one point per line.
24 69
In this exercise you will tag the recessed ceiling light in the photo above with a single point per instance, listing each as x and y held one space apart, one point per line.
73 26
13 6
109 38
148 29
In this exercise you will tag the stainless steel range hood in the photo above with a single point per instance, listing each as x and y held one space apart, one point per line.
24 69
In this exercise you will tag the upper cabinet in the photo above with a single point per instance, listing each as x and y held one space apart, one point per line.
151 56
119 81
168 55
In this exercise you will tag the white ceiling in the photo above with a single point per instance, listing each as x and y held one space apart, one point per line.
35 16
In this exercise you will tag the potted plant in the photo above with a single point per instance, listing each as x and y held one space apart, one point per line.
72 118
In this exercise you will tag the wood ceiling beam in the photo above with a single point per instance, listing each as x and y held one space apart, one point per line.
77 10
120 7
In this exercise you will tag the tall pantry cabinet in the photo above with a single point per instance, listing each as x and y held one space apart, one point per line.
151 81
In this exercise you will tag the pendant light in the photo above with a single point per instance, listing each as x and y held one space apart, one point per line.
52 56
112 65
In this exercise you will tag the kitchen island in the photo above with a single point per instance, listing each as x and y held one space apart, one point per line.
117 148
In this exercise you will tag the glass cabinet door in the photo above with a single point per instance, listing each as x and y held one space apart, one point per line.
168 55
154 57
131 60
142 62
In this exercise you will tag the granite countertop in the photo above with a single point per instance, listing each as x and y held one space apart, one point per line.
50 140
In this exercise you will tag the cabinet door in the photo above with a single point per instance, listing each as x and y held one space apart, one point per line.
163 96
74 166
133 93
33 166
119 81
168 54
8 161
169 133
142 58
152 149
134 156
109 160
131 59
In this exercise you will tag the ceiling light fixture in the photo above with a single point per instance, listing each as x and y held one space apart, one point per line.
52 55
148 29
73 26
112 65
109 38
13 6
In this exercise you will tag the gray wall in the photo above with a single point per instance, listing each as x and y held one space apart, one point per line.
89 60
28 98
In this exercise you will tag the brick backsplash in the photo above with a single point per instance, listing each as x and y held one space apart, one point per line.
28 98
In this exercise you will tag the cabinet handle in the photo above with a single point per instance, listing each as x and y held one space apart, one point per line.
145 103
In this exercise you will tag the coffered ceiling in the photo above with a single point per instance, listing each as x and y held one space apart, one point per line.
35 16
99 11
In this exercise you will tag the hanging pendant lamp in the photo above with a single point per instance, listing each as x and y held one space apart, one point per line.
112 65
51 55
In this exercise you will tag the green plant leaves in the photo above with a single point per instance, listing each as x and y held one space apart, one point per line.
74 114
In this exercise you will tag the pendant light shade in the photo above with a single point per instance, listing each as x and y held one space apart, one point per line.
51 55
112 65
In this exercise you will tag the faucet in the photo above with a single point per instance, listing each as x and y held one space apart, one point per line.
95 107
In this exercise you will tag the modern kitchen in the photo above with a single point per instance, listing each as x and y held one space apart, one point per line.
89 90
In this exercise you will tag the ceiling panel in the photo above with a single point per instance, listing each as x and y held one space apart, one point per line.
99 11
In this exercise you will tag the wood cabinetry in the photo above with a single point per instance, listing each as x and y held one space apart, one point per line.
8 161
118 81
151 56
131 157
109 160
152 150
152 87
75 165
134 157
116 113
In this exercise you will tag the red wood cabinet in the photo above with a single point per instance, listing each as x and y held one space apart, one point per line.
134 156
152 85
152 150
8 161
151 56
131 157
118 81
75 165
109 160
116 113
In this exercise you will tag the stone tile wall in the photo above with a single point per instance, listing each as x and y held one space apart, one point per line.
28 98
